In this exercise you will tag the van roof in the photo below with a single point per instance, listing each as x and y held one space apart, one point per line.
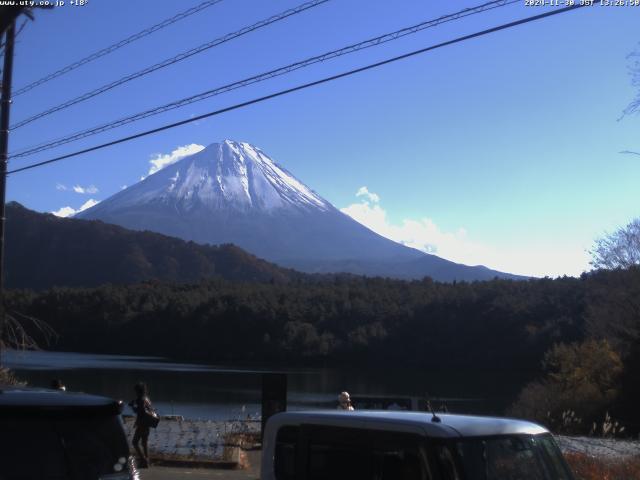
40 401
450 425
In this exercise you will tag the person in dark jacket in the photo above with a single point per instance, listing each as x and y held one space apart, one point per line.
58 385
141 405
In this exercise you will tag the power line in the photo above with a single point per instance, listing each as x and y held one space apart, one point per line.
170 61
266 76
117 45
18 32
303 86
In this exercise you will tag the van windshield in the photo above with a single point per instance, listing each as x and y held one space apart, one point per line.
525 457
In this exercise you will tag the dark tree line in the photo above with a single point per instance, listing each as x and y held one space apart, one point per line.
499 324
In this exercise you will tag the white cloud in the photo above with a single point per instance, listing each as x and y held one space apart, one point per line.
364 192
423 234
64 212
158 161
91 189
70 211
61 187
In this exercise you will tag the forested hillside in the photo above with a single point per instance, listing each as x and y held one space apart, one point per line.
43 251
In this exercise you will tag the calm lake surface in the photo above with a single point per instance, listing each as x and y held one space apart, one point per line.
219 392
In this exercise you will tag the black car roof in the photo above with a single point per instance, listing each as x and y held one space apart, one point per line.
34 401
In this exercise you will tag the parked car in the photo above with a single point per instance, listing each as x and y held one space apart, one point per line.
52 434
384 445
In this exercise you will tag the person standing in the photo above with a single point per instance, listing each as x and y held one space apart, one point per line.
142 407
58 385
344 401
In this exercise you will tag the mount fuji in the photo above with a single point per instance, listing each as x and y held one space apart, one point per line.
232 192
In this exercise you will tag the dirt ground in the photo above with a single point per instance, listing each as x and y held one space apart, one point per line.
252 472
169 473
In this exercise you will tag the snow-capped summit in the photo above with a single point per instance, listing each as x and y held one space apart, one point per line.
232 192
228 175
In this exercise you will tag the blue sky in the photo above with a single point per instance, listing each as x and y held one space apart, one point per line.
503 151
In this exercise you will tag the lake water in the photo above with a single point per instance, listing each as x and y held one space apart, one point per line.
219 392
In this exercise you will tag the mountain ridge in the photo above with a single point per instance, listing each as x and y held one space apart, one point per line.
44 251
232 192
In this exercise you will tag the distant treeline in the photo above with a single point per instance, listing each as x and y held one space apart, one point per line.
498 324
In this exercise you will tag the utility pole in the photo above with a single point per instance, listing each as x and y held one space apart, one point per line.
5 105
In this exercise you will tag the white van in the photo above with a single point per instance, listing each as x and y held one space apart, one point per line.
383 445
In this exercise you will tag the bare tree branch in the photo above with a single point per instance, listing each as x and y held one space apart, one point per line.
629 152
620 249
634 71
22 332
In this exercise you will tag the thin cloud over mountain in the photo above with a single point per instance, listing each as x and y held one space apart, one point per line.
70 211
457 246
159 160
91 189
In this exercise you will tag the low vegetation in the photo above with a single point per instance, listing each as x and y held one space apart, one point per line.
8 378
581 384
586 467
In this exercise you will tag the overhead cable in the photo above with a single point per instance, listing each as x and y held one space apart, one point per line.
116 46
265 76
170 61
349 73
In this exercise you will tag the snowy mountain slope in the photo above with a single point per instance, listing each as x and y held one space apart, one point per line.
224 176
232 192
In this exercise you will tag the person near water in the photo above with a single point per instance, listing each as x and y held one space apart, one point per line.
58 385
344 401
141 405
